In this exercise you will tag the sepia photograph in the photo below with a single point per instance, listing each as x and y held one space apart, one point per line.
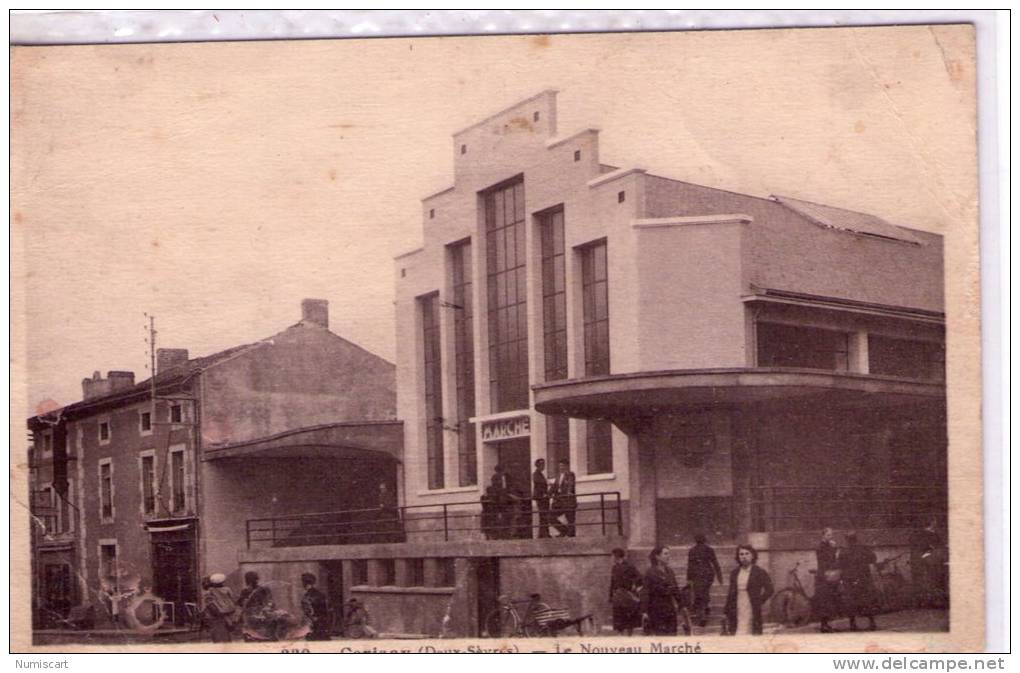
608 342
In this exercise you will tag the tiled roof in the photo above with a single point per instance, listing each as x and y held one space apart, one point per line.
847 220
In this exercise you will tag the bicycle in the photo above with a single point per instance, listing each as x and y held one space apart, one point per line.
505 621
791 605
891 585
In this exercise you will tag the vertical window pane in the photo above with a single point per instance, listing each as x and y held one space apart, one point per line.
429 307
467 471
177 472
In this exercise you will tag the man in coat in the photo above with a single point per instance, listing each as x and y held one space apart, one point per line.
502 504
540 494
702 569
313 604
564 501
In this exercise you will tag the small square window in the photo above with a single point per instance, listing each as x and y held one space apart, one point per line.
176 413
463 149
577 155
403 273
535 116
432 213
621 197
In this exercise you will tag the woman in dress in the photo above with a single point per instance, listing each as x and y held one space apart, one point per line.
659 595
857 562
750 587
624 596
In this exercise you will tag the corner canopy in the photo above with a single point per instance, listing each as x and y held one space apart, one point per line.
626 396
384 439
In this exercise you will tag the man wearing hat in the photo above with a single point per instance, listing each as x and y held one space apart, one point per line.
220 609
314 606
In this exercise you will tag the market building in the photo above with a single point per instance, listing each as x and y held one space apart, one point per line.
144 488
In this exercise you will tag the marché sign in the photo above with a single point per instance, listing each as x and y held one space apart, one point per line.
506 428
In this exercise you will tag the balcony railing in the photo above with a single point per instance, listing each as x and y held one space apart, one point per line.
779 508
601 513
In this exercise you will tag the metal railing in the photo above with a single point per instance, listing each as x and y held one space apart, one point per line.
515 518
779 508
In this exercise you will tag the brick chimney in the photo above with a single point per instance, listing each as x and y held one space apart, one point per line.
170 357
120 380
316 311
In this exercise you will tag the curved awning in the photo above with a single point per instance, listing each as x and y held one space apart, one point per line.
622 396
381 439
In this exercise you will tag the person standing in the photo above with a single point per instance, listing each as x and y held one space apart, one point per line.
564 501
925 565
624 596
702 569
540 493
856 562
660 595
258 612
750 587
503 504
220 610
316 610
828 602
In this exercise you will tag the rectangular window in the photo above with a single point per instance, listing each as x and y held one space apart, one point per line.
388 572
506 269
782 345
177 480
447 572
464 354
106 489
48 498
416 572
554 325
176 413
148 476
104 432
145 422
433 390
108 574
47 443
595 301
359 572
906 357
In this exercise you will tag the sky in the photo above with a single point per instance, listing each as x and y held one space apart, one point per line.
216 185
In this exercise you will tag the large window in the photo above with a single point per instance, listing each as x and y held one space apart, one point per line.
595 298
554 325
907 358
797 346
464 352
433 390
505 256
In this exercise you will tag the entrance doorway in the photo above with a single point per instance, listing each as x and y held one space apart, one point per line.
334 590
173 569
515 457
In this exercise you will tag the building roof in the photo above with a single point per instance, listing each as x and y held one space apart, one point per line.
831 217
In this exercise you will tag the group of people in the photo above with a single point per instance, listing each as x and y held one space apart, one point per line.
654 601
507 509
255 616
844 584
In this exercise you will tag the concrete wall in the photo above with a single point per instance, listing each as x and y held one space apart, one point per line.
303 376
788 252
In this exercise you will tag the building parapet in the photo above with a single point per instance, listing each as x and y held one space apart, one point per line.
649 223
615 175
556 142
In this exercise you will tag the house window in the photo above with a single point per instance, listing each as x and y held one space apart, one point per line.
145 422
104 432
47 444
48 516
577 155
507 297
433 391
782 345
906 357
359 572
178 497
387 572
464 354
176 413
106 511
148 476
595 301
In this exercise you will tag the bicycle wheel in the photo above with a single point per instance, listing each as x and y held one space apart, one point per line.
500 623
533 629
